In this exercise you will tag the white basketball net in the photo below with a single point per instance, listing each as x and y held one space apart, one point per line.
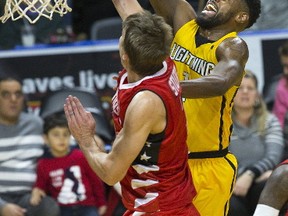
17 9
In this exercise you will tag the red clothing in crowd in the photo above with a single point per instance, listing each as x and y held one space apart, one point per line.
70 180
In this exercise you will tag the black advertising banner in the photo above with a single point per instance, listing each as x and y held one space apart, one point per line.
46 70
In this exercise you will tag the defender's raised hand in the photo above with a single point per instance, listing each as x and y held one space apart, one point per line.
81 122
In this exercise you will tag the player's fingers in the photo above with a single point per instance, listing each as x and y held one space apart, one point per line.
77 106
83 113
74 104
68 109
78 117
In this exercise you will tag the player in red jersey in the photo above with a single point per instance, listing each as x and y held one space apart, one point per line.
149 154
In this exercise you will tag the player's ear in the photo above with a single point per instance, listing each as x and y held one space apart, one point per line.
124 57
242 17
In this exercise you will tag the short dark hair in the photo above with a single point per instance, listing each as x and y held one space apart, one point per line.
7 73
254 7
54 120
283 50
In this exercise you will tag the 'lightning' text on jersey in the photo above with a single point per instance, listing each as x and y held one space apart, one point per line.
183 55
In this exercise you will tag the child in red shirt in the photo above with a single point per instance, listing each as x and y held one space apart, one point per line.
65 175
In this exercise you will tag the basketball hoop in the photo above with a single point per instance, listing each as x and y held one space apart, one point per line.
17 9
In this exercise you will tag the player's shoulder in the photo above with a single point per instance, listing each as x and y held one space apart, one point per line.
233 46
233 42
146 97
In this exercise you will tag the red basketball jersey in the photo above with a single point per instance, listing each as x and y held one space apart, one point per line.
159 179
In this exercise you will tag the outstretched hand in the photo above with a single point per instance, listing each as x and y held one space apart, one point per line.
81 122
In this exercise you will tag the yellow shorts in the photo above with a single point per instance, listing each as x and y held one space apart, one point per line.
214 179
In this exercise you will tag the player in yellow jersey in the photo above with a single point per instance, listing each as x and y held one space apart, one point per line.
210 60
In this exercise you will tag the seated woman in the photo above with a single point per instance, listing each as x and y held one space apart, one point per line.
257 142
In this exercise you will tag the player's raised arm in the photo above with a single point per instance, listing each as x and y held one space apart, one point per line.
232 55
175 12
141 120
127 7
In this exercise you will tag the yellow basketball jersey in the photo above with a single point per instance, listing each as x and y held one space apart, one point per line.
208 120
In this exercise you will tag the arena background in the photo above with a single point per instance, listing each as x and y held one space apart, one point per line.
93 64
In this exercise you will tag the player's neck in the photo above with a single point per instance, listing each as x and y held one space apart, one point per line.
213 34
133 77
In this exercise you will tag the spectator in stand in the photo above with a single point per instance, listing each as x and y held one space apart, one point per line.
280 107
257 142
21 145
66 175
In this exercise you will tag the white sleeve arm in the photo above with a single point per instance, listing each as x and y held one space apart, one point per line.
264 210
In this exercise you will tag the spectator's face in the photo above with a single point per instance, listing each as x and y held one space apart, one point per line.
247 94
11 101
284 62
58 140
